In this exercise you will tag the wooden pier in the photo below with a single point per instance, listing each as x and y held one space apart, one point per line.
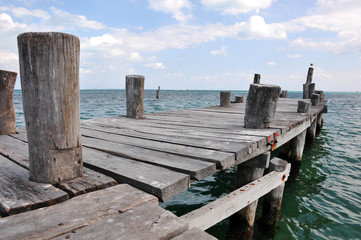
105 183
160 154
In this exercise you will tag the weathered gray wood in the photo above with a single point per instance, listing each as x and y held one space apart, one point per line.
240 150
195 168
319 121
158 181
134 88
311 132
222 159
73 214
15 148
7 111
257 78
261 161
194 234
49 68
18 194
306 91
225 99
241 223
309 75
147 221
312 87
272 201
239 99
321 93
315 99
261 105
303 107
89 182
157 94
224 207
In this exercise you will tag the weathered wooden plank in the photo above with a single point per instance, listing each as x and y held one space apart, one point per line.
240 150
147 221
16 148
19 194
194 234
90 181
222 159
155 180
71 215
197 169
222 208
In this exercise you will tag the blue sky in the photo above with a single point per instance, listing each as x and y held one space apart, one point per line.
203 44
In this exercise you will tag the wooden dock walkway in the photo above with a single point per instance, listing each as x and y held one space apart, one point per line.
103 178
160 154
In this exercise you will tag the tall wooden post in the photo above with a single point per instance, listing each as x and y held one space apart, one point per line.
306 86
257 78
272 201
311 90
298 143
134 85
225 99
241 223
49 69
261 105
7 111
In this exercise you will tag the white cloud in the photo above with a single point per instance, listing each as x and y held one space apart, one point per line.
174 7
271 64
9 60
222 51
21 12
341 17
157 65
234 7
257 28
71 21
135 57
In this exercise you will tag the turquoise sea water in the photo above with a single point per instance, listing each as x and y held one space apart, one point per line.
323 202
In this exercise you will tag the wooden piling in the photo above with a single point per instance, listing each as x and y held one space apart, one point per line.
261 105
297 144
49 69
306 86
319 122
321 93
257 78
157 94
315 99
239 99
225 99
273 200
7 111
241 223
311 90
311 132
134 85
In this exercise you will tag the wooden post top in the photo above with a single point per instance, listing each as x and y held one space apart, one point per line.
278 165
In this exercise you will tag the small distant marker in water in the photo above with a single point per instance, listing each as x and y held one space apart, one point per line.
158 91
